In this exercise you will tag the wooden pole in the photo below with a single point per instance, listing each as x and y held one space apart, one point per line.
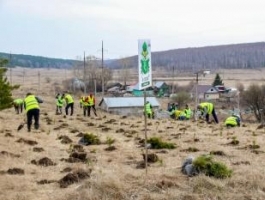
102 63
145 132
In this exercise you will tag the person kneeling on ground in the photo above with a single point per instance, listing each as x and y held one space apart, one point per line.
232 121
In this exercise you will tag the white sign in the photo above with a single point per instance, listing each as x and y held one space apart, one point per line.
144 64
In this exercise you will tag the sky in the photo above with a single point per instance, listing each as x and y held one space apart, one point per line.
68 28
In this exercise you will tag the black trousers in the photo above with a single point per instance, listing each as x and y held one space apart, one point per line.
58 109
18 108
85 110
93 108
34 113
214 116
71 106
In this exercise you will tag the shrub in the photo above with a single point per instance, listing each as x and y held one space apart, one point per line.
205 164
90 138
157 143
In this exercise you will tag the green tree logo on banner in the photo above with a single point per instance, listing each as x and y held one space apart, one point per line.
145 60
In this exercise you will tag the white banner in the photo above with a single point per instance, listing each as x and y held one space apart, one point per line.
144 64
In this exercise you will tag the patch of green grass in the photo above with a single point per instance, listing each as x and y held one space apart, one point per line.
205 164
157 143
110 141
90 138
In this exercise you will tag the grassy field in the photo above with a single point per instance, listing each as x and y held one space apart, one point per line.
118 174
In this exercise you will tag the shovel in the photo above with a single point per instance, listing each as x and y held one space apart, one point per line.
20 126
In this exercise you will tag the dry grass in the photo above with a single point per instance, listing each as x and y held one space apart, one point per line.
114 173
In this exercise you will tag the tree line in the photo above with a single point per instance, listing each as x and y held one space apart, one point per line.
235 56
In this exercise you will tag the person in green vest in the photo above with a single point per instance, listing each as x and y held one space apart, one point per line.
81 101
179 115
188 112
207 109
18 105
59 104
85 105
232 121
31 105
69 103
171 109
91 104
148 110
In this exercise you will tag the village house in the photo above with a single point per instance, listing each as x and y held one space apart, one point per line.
205 92
127 105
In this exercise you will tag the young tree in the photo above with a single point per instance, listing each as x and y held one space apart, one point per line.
182 98
254 98
217 80
6 99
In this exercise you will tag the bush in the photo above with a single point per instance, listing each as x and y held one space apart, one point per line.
157 143
90 138
205 164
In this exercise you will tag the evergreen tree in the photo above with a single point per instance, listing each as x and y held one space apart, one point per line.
217 80
6 99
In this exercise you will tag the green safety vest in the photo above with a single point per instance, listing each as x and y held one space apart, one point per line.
60 101
231 121
85 101
188 113
31 103
90 101
18 101
69 98
148 108
208 106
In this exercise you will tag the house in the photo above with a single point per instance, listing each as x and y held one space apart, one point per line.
205 92
161 88
134 89
127 105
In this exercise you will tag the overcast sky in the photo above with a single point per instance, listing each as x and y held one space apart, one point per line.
67 28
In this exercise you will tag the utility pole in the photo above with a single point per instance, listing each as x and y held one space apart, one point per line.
102 65
84 74
173 87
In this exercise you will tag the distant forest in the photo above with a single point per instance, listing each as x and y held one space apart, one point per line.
235 56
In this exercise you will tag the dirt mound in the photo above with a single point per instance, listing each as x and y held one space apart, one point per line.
38 149
29 142
74 177
151 158
43 162
67 169
9 135
110 148
65 139
5 153
111 121
45 181
63 125
79 155
78 148
15 171
76 157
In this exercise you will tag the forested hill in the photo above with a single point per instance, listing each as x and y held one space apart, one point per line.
248 55
37 61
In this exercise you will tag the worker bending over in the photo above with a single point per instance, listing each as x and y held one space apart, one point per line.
207 109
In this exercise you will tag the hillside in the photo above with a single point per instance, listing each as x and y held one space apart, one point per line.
30 61
235 56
